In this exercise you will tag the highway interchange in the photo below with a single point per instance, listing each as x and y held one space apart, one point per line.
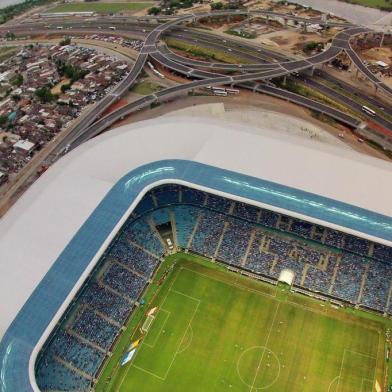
265 65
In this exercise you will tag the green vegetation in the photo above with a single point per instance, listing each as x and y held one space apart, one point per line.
308 92
205 53
172 6
17 80
71 72
44 94
311 46
10 11
146 88
228 6
216 6
100 7
385 5
154 11
65 87
218 330
9 35
241 33
7 52
66 41
356 98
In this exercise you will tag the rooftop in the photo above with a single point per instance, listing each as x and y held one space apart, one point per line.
91 190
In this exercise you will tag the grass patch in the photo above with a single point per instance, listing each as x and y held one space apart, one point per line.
308 92
205 53
242 34
380 4
8 51
356 98
146 88
241 334
100 7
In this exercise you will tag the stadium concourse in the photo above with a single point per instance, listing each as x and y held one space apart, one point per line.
80 247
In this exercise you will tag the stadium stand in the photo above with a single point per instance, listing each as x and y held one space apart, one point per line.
263 242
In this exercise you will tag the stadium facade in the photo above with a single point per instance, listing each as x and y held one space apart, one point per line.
53 237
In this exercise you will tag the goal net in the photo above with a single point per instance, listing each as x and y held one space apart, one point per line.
147 324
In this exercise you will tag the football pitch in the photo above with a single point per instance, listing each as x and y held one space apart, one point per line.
216 330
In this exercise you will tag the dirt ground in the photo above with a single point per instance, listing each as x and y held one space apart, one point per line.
247 99
378 54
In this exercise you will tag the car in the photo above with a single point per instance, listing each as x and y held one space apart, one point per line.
229 50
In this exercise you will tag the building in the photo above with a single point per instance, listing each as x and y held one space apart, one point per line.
341 190
24 147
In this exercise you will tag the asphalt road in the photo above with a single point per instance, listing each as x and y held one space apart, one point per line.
261 69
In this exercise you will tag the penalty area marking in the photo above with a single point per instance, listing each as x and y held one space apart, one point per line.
163 326
179 345
339 377
190 329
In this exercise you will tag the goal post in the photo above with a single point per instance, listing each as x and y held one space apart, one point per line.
147 323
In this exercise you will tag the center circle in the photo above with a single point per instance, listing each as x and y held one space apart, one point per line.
258 367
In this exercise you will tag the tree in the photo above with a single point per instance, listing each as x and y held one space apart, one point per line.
66 41
45 95
17 80
216 6
65 87
10 35
154 10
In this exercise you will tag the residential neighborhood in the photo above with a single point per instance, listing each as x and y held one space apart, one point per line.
42 89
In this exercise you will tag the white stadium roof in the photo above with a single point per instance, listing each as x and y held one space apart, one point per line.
38 227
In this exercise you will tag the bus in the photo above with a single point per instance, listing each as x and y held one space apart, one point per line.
220 93
232 91
368 111
218 89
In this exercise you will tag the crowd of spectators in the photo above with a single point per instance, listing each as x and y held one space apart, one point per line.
234 230
124 281
320 279
208 231
185 218
140 232
349 277
377 285
255 239
106 302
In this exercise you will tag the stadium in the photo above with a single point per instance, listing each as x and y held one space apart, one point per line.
195 254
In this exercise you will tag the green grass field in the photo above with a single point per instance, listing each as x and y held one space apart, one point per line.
382 4
100 7
216 331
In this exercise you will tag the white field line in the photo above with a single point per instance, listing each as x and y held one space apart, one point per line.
265 345
190 341
326 314
331 383
232 284
180 343
340 372
183 336
378 350
141 344
163 325
362 384
363 355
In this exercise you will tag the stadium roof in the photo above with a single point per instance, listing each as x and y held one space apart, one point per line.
91 190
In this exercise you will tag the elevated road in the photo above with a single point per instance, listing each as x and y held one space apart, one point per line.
91 125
